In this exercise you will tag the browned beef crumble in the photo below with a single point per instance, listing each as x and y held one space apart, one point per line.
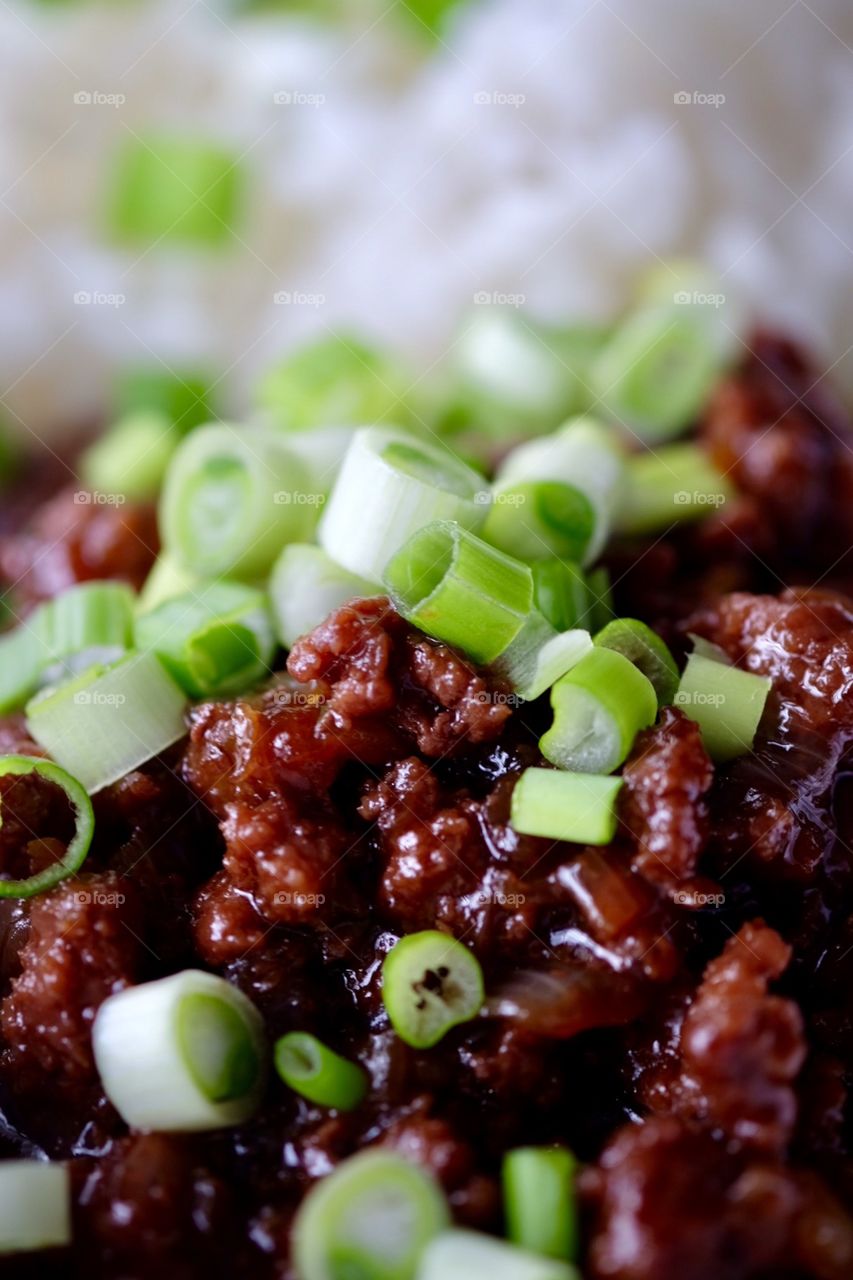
677 1007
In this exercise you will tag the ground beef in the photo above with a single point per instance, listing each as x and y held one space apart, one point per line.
73 539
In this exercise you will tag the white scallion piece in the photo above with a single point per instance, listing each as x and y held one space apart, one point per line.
181 1054
35 1205
306 586
468 1255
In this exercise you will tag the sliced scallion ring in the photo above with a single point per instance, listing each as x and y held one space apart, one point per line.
84 820
468 1255
561 594
166 580
430 983
181 1054
371 1218
217 639
87 624
535 519
725 702
539 1200
458 589
578 807
644 647
675 483
306 586
131 458
539 655
322 1076
109 720
232 499
599 708
35 1205
390 485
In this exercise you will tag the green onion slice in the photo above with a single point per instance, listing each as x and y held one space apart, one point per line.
430 983
601 599
166 580
468 1255
131 458
578 807
656 371
215 640
644 647
725 702
23 657
599 708
184 397
584 454
390 485
370 1219
318 1073
89 623
539 1199
84 820
536 519
109 720
35 1205
675 483
306 586
458 589
181 1054
561 594
539 655
232 499
175 188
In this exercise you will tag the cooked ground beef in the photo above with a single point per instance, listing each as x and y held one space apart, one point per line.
677 1007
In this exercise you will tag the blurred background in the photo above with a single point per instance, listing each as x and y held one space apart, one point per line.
200 186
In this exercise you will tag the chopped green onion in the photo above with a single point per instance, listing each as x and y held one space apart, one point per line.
579 807
539 1198
599 708
370 1219
232 499
22 661
391 485
601 599
184 398
458 589
132 457
218 639
89 623
320 1075
322 452
561 593
539 655
518 376
306 586
644 647
84 826
166 580
430 983
468 1255
109 720
336 381
656 372
35 1205
725 702
675 483
171 188
584 454
537 519
181 1054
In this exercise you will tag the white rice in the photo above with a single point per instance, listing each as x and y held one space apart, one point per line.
540 153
